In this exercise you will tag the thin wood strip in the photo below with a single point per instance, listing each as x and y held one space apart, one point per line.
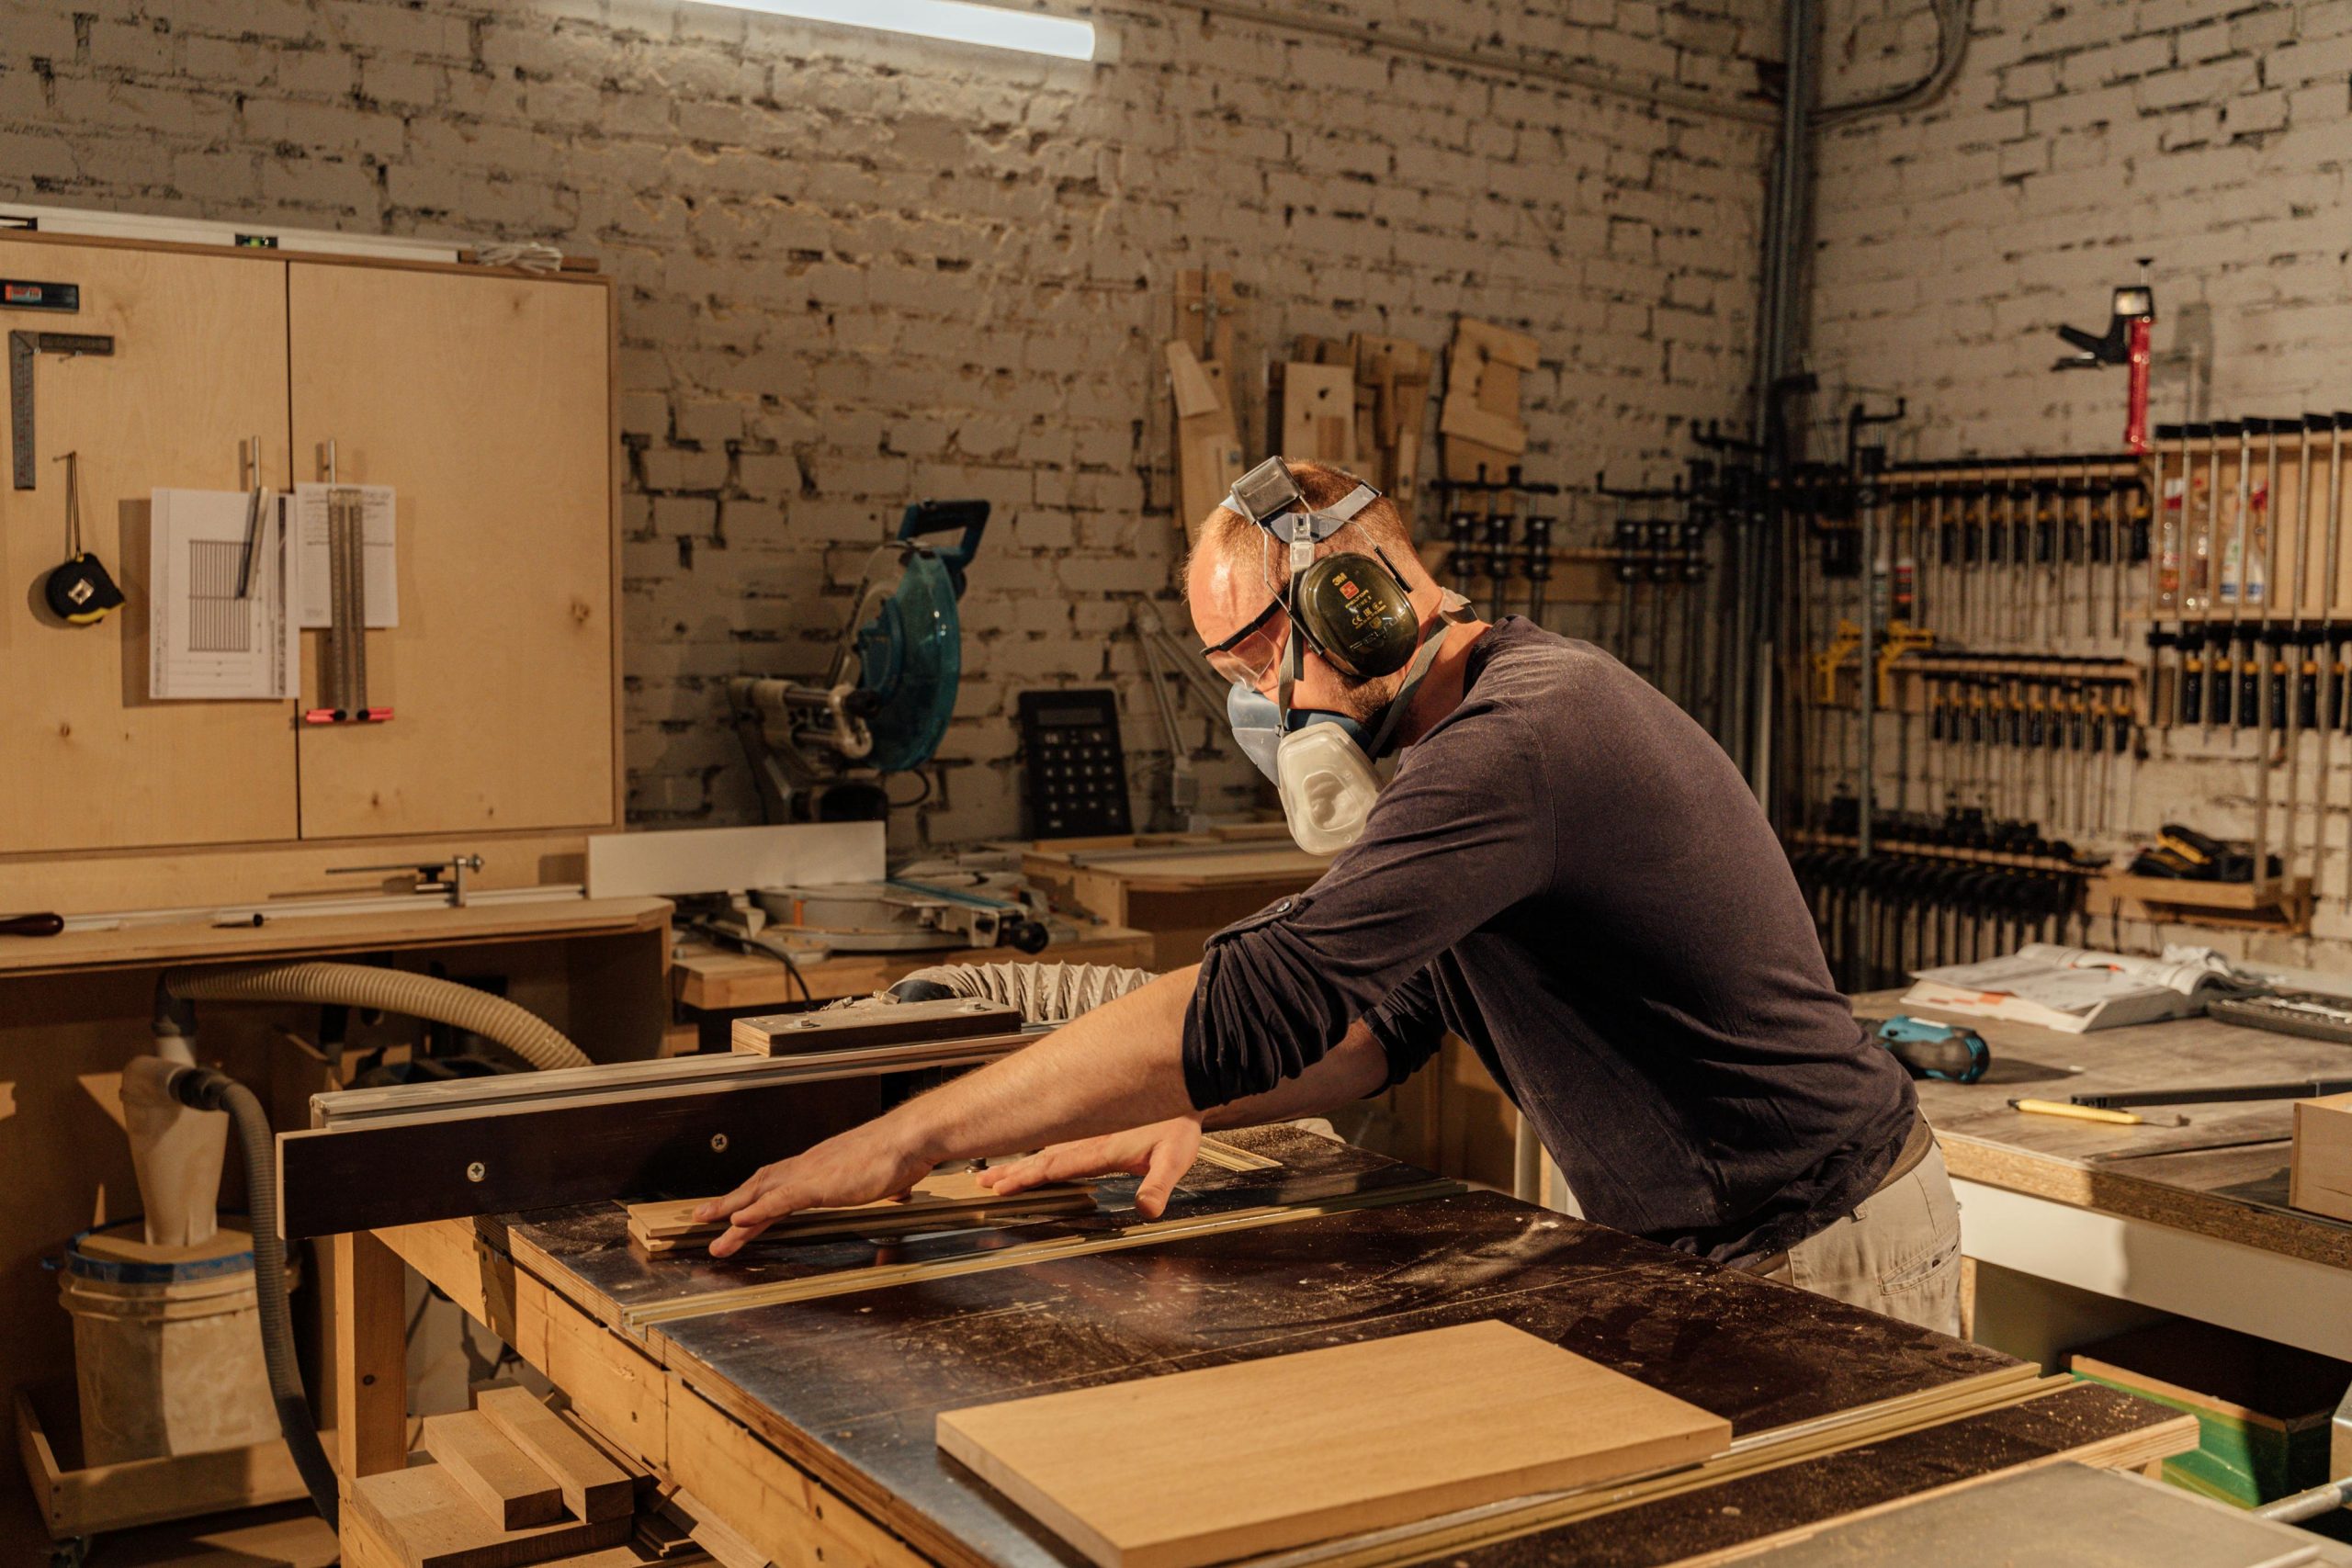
1771 1450
1217 1152
2128 1451
1143 1234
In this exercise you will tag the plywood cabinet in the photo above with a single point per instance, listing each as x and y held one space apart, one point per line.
483 398
484 401
87 759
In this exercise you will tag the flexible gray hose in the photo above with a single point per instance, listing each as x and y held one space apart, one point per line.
209 1090
387 990
1043 993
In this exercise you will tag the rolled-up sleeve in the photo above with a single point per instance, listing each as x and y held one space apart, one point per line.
1408 1026
1454 840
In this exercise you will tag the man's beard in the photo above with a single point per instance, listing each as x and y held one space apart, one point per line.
1364 700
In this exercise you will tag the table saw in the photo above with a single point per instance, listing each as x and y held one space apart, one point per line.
794 1390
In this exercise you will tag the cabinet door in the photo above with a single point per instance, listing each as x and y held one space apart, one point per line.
484 401
87 759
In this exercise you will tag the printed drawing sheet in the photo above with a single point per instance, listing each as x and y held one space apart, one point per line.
207 641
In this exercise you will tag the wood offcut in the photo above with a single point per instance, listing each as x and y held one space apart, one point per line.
592 1486
430 1521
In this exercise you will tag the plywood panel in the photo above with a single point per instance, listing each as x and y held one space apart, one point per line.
199 366
1349 1438
484 403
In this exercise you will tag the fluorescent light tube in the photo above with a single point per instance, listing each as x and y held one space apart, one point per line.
992 27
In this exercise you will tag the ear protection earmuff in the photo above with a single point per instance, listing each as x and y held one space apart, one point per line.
1352 608
1355 611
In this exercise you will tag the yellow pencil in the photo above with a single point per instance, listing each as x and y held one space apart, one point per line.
2080 1112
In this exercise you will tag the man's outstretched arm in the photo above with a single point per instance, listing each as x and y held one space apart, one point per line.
1116 1068
1162 1152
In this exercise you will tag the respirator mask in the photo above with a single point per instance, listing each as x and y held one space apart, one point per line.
1354 611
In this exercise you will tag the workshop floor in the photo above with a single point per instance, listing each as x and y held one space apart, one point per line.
288 1537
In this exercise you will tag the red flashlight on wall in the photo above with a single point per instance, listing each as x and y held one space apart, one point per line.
2130 328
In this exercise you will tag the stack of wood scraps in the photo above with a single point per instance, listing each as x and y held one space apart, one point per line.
1479 419
941 1201
509 1484
1359 403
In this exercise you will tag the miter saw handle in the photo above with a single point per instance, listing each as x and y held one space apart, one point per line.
947 517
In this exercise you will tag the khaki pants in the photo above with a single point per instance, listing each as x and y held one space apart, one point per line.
1898 1253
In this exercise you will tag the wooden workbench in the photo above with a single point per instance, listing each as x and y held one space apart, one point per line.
712 980
807 1425
2191 1218
1181 887
74 1008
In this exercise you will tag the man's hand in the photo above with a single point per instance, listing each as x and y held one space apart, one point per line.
861 1166
1160 1154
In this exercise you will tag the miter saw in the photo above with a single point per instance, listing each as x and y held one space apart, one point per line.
888 693
817 751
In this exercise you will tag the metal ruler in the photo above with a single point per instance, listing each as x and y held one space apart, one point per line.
22 347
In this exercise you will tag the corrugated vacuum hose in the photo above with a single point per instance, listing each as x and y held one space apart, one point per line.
385 990
324 984
1043 993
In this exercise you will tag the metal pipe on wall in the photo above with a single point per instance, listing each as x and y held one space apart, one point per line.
1776 358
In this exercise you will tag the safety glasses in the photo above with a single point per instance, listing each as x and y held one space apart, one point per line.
1250 655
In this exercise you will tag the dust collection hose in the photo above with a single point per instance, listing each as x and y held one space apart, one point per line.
1042 993
385 990
326 985
206 1090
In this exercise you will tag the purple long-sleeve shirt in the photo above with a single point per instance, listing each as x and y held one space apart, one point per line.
1568 872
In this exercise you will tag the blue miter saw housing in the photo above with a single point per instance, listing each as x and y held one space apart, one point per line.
889 689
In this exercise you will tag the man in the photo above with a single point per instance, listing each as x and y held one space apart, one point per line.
1565 871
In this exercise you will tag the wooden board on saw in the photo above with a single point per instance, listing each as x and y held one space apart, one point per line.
1346 1438
431 1521
940 1200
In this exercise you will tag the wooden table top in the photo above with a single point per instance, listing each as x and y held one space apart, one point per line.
849 1385
1182 863
308 936
2221 1172
712 979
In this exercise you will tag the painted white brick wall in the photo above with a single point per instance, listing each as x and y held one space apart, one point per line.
1953 241
858 270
